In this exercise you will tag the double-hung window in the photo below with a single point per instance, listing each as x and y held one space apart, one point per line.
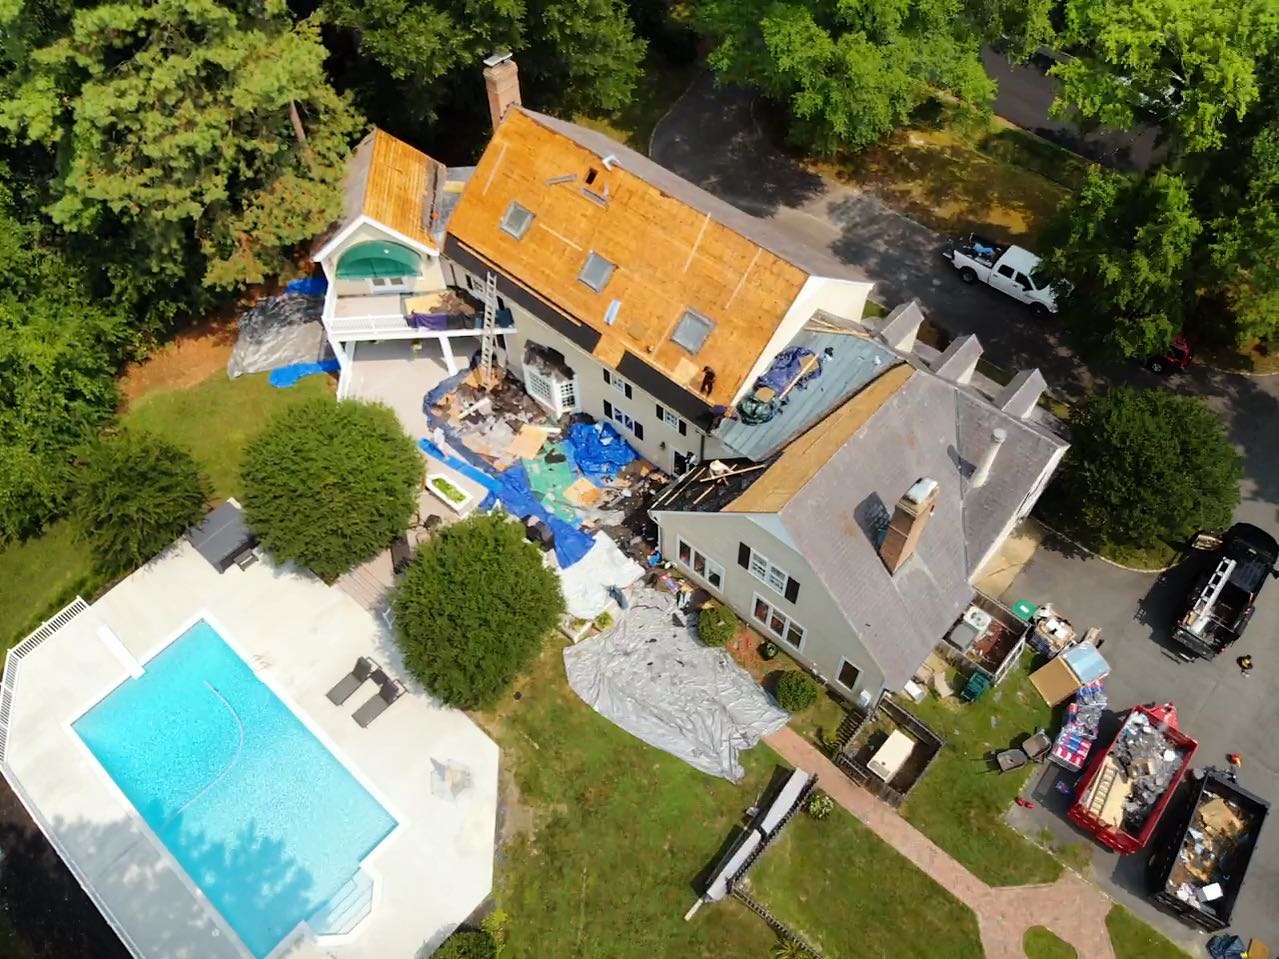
701 565
619 385
671 420
768 572
777 622
624 419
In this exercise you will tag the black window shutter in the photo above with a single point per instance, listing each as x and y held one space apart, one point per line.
608 409
683 428
639 431
628 390
661 413
792 589
743 556
606 377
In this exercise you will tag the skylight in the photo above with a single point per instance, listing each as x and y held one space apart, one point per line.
692 331
516 220
596 272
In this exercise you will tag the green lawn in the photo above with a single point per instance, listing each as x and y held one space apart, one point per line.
960 802
1156 556
1039 943
213 419
853 896
661 84
1133 939
955 170
216 418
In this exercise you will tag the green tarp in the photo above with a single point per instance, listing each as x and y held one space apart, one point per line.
378 259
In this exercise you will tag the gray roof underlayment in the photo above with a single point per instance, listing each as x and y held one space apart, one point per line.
852 363
808 258
931 428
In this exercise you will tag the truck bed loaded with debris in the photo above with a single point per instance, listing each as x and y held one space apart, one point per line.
1221 601
1200 870
1123 793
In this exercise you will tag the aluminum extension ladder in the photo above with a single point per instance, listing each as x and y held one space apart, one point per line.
489 333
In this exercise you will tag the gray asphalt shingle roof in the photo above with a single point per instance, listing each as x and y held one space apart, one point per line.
930 428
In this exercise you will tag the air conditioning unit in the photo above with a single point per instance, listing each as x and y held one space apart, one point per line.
977 618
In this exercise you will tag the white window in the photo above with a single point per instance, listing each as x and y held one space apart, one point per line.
539 386
777 622
516 220
766 572
596 272
386 282
701 565
568 395
619 385
622 418
692 330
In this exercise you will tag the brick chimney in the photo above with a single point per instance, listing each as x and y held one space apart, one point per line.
502 84
908 522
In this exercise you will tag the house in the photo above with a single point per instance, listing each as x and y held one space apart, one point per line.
838 484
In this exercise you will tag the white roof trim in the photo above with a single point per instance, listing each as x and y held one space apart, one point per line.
345 234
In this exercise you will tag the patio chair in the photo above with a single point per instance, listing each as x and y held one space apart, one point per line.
389 690
348 684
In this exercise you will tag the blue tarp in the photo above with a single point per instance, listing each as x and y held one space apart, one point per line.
1227 946
308 286
785 367
599 450
285 376
512 490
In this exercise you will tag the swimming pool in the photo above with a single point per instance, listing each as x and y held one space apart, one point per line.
263 818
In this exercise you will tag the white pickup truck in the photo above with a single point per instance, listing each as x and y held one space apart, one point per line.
1009 269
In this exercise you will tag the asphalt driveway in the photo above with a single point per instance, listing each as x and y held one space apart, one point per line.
712 138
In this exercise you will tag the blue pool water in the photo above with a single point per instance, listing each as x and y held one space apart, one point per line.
259 813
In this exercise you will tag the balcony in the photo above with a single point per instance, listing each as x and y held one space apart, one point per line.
385 315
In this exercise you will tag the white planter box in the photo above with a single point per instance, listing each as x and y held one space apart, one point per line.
449 493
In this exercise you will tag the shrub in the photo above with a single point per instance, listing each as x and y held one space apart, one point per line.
768 650
716 624
1145 466
820 805
796 692
603 621
134 495
472 608
789 949
468 944
329 485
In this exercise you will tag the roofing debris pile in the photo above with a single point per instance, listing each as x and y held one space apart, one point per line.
1147 761
1220 829
792 369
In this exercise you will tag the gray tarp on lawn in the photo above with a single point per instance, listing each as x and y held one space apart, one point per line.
279 330
652 677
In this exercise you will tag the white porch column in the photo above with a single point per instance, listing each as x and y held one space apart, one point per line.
447 349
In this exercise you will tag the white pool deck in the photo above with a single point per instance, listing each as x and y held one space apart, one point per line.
301 637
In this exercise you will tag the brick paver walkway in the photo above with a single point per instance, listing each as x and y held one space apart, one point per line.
1070 907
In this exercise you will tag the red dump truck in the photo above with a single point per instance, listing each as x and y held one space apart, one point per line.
1125 789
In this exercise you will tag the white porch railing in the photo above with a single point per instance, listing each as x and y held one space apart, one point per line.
13 660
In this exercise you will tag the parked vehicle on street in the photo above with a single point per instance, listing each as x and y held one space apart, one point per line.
1125 789
1176 357
1009 269
1222 599
1198 869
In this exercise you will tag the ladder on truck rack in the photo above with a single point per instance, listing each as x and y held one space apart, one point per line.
489 332
1199 613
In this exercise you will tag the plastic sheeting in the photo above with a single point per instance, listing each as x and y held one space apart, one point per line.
586 585
1227 946
285 376
786 366
651 677
598 449
277 331
308 286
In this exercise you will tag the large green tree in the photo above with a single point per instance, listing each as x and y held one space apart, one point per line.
198 135
573 54
329 485
1190 65
60 349
1119 254
850 72
1145 467
134 495
473 608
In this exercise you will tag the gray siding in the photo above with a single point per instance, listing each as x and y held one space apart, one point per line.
829 639
660 442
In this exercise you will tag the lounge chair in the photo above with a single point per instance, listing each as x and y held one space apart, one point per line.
389 690
348 684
